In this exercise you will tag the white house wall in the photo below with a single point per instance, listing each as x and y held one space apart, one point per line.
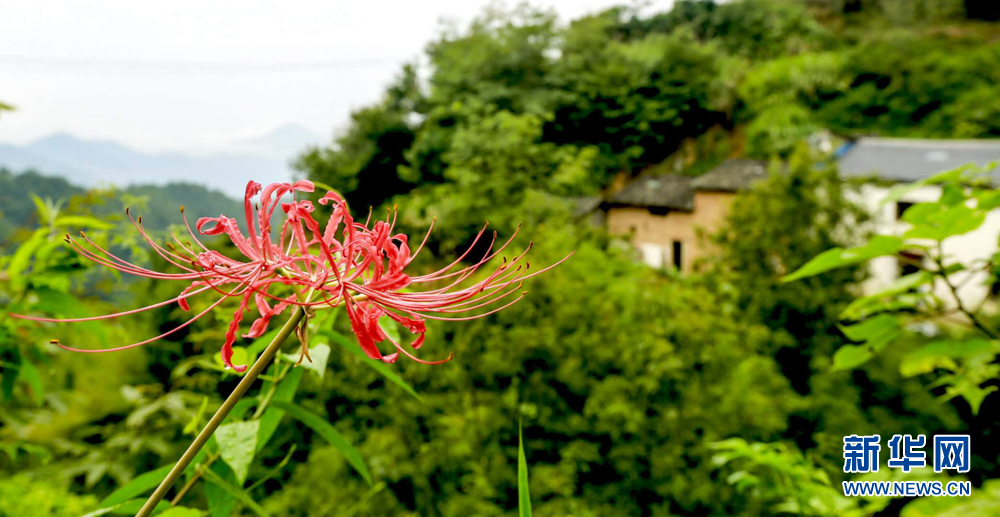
979 245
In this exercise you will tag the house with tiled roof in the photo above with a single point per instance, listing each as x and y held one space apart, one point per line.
904 160
663 215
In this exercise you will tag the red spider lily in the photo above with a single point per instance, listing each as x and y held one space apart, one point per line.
359 265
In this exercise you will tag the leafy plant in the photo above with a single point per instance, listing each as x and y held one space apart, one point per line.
962 364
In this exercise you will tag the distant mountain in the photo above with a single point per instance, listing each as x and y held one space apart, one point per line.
90 163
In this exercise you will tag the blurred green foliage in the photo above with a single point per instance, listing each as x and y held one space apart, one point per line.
37 495
640 392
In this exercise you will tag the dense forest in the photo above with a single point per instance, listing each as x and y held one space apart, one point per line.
638 391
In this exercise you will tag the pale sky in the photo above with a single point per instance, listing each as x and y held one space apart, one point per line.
192 75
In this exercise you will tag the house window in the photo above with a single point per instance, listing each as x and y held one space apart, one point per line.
678 260
901 207
909 262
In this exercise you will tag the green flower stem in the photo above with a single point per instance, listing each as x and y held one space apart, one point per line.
194 477
942 271
263 405
220 415
266 401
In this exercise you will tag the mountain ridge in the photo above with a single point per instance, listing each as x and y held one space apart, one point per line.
96 162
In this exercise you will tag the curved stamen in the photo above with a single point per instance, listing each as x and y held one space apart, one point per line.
150 340
114 315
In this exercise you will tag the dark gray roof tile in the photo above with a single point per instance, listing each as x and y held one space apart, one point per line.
731 175
912 159
661 191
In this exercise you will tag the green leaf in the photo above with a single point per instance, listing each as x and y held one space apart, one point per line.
22 258
938 221
878 246
130 507
949 176
378 366
272 416
941 354
193 425
83 221
888 298
220 502
975 395
61 304
988 199
952 194
261 343
875 333
320 355
29 375
180 511
918 365
44 214
9 380
276 470
239 410
849 357
523 497
324 429
328 321
324 186
390 328
235 491
241 355
139 485
238 444
46 250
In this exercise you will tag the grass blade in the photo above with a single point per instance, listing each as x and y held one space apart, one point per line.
324 429
380 367
234 491
129 507
138 486
523 498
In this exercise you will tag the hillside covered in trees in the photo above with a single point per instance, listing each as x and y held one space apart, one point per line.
159 203
571 106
